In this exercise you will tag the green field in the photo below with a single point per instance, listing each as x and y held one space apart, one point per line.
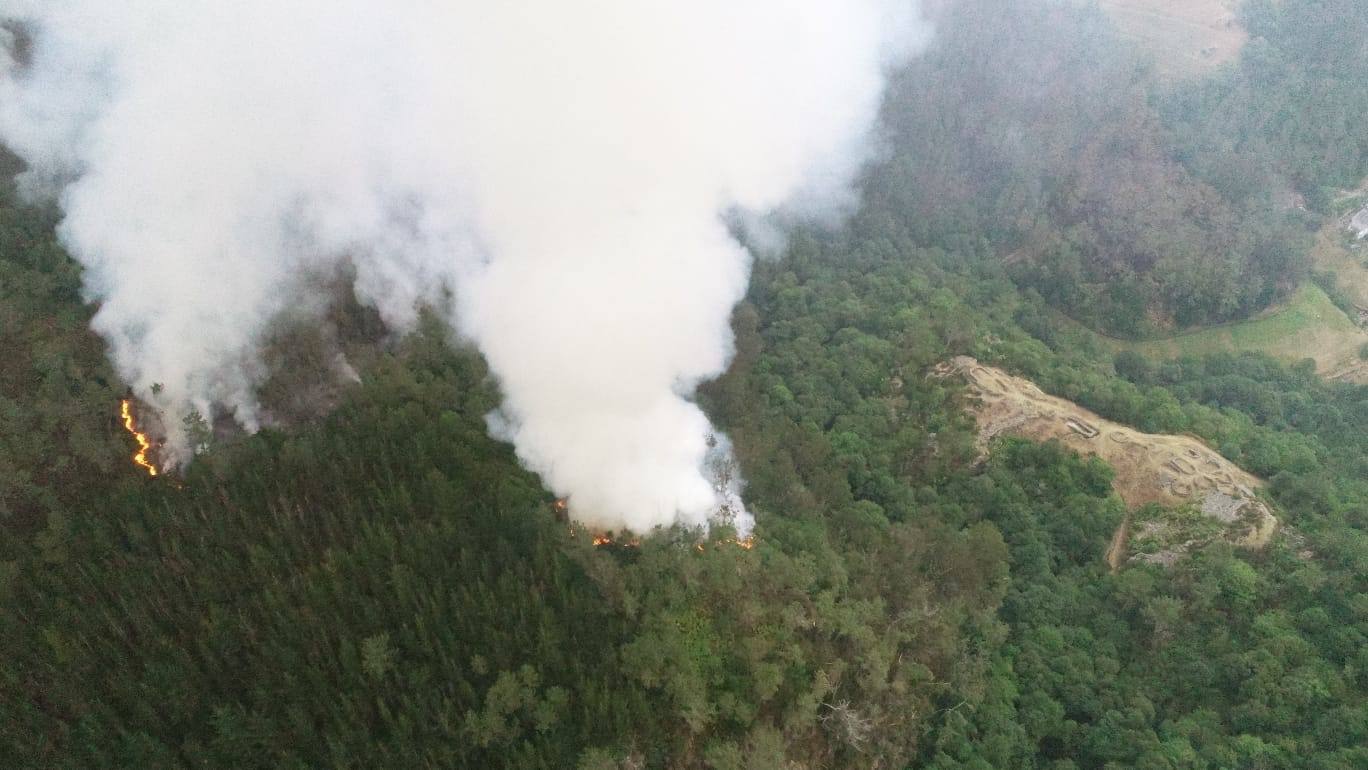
1307 325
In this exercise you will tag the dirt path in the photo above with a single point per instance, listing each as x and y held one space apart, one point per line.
1117 550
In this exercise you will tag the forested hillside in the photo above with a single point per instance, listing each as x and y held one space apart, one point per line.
903 605
1134 204
383 586
55 414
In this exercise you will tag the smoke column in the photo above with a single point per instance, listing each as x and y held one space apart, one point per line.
555 175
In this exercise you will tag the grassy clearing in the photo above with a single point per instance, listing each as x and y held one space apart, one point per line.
1307 325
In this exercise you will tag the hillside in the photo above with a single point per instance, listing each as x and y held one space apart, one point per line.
1005 518
1307 325
1177 472
1341 250
1185 37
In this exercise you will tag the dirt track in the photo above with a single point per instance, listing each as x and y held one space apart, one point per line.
1116 549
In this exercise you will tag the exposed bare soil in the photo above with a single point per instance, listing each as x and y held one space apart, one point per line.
1173 471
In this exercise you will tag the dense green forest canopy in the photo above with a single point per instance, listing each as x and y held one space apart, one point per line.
384 586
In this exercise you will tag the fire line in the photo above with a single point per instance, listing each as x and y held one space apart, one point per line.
126 410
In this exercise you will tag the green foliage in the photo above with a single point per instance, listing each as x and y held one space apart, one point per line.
59 435
1308 324
1035 126
1295 92
385 587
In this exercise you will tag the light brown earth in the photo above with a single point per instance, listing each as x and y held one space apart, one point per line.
1172 471
1116 549
1185 37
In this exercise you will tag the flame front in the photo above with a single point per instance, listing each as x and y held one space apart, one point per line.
126 409
606 538
745 543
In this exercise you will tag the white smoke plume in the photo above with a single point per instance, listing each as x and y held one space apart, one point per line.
554 173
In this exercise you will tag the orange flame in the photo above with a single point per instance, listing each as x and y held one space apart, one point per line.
603 539
144 444
748 543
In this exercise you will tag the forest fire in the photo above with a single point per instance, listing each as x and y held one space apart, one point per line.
144 444
603 538
746 543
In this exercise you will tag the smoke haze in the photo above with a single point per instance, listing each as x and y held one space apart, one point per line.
552 176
